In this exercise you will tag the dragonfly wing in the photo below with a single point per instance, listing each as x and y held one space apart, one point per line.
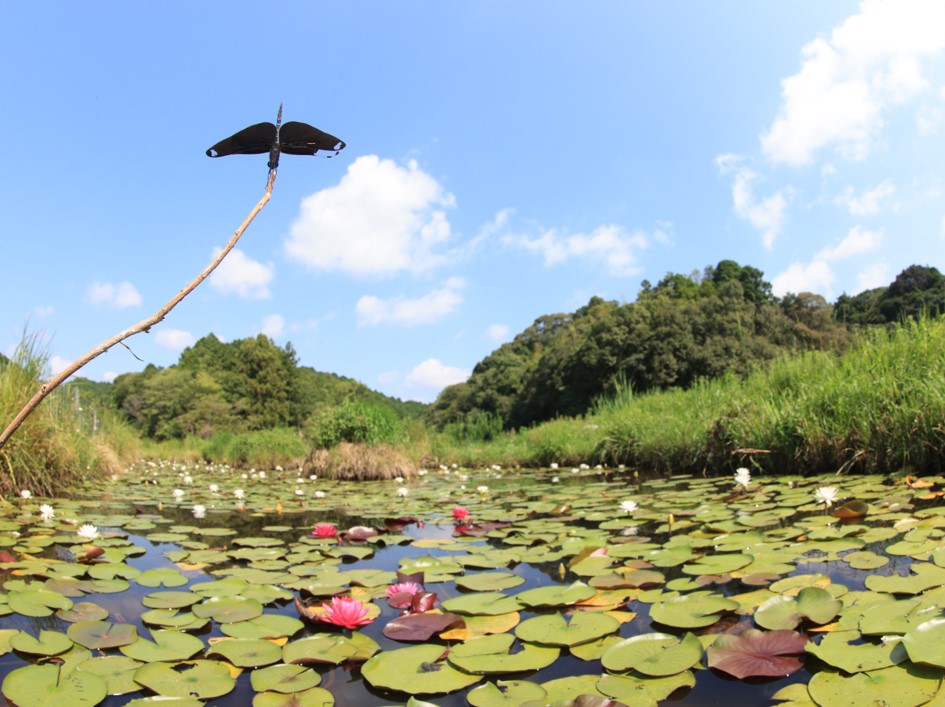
303 139
254 140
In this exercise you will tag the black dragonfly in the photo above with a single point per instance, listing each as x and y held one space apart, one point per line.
293 138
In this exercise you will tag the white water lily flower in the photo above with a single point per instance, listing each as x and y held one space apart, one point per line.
826 495
214 488
399 479
628 506
482 489
46 512
87 532
199 511
402 491
178 494
742 477
555 479
299 492
319 494
239 493
188 479
25 493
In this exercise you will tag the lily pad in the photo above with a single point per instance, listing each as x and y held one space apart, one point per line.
655 654
166 646
491 655
756 653
48 643
226 610
839 650
695 610
786 612
204 679
420 627
416 670
482 604
46 685
246 652
117 671
894 687
102 634
506 693
284 678
553 630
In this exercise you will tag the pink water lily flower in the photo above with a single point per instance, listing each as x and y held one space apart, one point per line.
403 587
460 513
346 612
324 530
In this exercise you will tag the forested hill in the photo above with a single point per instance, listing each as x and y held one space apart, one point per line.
686 327
248 384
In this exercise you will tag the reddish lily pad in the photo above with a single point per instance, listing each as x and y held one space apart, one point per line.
756 653
420 627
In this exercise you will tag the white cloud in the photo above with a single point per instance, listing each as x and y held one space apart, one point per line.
814 277
857 241
381 218
241 275
109 376
433 374
273 325
869 202
766 215
609 245
174 339
431 307
497 332
57 364
872 61
43 311
120 295
874 276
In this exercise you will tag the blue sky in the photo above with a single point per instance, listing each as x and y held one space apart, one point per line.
505 160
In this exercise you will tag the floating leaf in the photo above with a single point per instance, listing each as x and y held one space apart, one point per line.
555 596
48 643
655 654
553 630
786 612
506 693
416 670
166 646
695 610
117 671
420 627
482 604
491 655
757 653
205 679
837 649
102 634
894 687
226 610
46 685
247 652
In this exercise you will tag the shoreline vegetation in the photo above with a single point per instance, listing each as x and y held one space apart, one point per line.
879 407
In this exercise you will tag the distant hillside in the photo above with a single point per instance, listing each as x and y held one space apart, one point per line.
243 385
721 321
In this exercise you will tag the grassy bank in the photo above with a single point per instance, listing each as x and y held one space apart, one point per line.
53 450
878 408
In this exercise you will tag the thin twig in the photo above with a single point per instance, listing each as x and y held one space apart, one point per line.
143 325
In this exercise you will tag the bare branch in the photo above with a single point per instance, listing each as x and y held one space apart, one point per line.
143 325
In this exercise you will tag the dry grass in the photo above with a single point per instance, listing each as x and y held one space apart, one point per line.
358 462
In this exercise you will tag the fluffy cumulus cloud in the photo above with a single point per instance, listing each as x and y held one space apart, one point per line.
240 275
431 307
57 364
273 325
174 339
122 294
616 249
873 276
856 242
433 375
766 214
871 62
870 201
381 218
814 277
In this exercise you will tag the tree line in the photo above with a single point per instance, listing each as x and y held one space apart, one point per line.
722 320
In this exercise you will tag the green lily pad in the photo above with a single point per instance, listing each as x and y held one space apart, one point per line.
247 652
717 564
166 646
490 655
170 600
313 697
36 601
83 611
555 596
786 612
416 670
48 643
284 678
654 654
482 604
489 582
838 650
924 576
633 689
553 630
897 686
695 610
925 644
117 671
102 634
204 679
161 577
506 693
265 626
46 685
226 610
331 649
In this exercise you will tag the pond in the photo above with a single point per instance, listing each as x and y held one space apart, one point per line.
191 585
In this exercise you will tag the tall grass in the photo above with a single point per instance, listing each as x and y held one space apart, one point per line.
49 453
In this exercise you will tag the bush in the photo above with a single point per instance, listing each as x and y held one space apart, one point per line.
356 422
